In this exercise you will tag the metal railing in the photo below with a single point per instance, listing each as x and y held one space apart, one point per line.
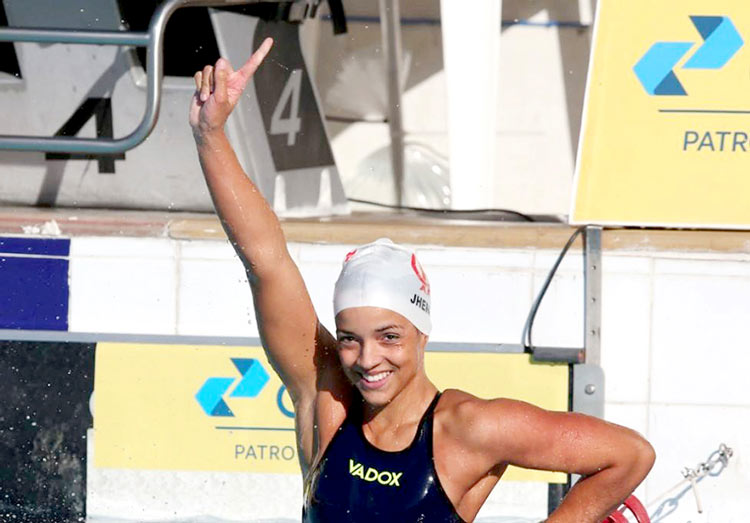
152 40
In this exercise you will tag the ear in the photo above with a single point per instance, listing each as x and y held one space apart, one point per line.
423 339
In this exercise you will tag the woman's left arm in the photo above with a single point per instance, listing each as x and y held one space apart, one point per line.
612 459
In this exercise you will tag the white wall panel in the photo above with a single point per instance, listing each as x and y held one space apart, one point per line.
491 259
114 247
626 335
559 322
478 306
215 299
122 286
701 327
207 250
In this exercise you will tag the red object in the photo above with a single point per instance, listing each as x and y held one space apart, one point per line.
420 274
635 506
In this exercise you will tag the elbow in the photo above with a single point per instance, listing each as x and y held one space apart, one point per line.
647 456
261 263
640 459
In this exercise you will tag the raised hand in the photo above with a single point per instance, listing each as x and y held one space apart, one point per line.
218 88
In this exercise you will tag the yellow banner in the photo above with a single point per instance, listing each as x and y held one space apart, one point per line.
665 138
219 408
191 408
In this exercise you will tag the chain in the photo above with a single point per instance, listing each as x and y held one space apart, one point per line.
713 466
718 458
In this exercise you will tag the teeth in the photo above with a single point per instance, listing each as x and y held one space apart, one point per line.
375 377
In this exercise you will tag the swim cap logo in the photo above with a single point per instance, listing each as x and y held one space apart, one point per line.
350 255
420 274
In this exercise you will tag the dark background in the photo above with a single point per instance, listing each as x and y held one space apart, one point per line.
44 413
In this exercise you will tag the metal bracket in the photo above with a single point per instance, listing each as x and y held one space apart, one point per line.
557 355
592 309
588 389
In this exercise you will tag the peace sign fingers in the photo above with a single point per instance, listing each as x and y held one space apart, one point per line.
248 69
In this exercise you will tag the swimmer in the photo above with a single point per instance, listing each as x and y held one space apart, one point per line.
377 440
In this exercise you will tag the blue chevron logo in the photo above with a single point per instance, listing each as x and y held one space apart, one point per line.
655 69
254 378
721 42
211 394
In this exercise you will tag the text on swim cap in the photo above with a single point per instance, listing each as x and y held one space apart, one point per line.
420 302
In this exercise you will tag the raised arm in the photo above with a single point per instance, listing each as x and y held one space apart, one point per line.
296 344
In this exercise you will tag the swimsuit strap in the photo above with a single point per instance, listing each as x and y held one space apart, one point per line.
428 414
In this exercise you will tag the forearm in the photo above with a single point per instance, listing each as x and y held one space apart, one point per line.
248 220
594 497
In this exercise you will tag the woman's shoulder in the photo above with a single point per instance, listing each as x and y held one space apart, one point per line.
467 417
463 406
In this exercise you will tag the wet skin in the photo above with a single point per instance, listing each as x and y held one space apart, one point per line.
378 343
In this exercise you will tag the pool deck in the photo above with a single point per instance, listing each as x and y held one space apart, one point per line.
357 228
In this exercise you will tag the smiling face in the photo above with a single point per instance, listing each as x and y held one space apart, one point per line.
380 351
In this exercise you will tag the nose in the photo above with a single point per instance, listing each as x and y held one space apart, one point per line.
369 355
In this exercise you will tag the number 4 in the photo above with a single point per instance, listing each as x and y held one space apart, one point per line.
101 110
289 96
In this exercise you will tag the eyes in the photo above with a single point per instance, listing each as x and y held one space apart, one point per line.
344 339
385 338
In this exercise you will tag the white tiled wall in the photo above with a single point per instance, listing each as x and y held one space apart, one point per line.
626 317
213 293
123 285
675 331
702 323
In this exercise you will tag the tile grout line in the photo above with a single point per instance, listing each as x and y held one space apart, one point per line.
177 283
649 398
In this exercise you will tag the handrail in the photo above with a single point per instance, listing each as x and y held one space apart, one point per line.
152 40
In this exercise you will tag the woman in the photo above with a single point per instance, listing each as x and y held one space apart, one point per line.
376 439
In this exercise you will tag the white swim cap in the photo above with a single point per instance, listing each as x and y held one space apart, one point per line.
383 274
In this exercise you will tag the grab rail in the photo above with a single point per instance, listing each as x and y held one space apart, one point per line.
152 40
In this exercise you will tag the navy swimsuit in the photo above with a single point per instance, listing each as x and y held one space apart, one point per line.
357 482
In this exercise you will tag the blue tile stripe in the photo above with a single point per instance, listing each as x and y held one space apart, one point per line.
34 289
35 246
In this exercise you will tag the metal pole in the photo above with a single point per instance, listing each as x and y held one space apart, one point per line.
391 27
592 309
70 36
153 40
588 377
